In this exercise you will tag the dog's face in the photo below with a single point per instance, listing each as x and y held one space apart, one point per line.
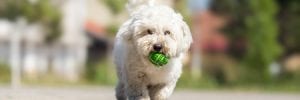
158 29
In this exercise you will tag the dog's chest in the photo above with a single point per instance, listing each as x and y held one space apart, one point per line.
163 75
158 76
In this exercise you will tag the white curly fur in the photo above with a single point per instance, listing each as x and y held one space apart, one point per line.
139 79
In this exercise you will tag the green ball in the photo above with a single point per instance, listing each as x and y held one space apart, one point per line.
158 59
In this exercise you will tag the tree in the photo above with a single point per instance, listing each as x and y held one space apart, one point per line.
40 11
262 32
254 21
289 23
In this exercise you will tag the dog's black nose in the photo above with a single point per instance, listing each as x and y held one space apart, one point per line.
157 47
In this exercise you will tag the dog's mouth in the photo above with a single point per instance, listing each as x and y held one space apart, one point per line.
158 58
164 53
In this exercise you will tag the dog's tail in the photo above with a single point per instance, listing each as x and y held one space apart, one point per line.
133 5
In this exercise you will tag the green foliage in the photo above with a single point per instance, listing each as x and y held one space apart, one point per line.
112 30
261 31
41 11
254 20
115 5
181 7
101 72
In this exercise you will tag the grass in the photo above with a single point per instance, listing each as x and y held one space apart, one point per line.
205 83
100 73
106 76
104 73
4 74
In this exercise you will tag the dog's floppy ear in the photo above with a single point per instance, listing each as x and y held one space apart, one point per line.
124 31
187 37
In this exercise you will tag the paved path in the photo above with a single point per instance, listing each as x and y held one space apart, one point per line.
107 93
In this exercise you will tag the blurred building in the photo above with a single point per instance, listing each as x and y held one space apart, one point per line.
33 51
65 57
207 27
210 42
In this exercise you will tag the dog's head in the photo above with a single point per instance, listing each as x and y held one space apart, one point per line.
157 28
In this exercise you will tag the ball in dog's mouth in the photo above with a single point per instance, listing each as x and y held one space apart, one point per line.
159 59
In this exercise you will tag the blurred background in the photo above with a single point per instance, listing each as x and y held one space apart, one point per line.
238 44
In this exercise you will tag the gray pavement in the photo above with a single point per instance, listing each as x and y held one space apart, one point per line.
107 93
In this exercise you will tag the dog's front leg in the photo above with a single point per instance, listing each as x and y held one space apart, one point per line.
136 88
162 92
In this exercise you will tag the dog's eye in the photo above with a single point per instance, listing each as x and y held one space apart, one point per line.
167 32
149 31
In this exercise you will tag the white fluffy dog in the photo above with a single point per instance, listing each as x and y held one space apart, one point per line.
150 28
